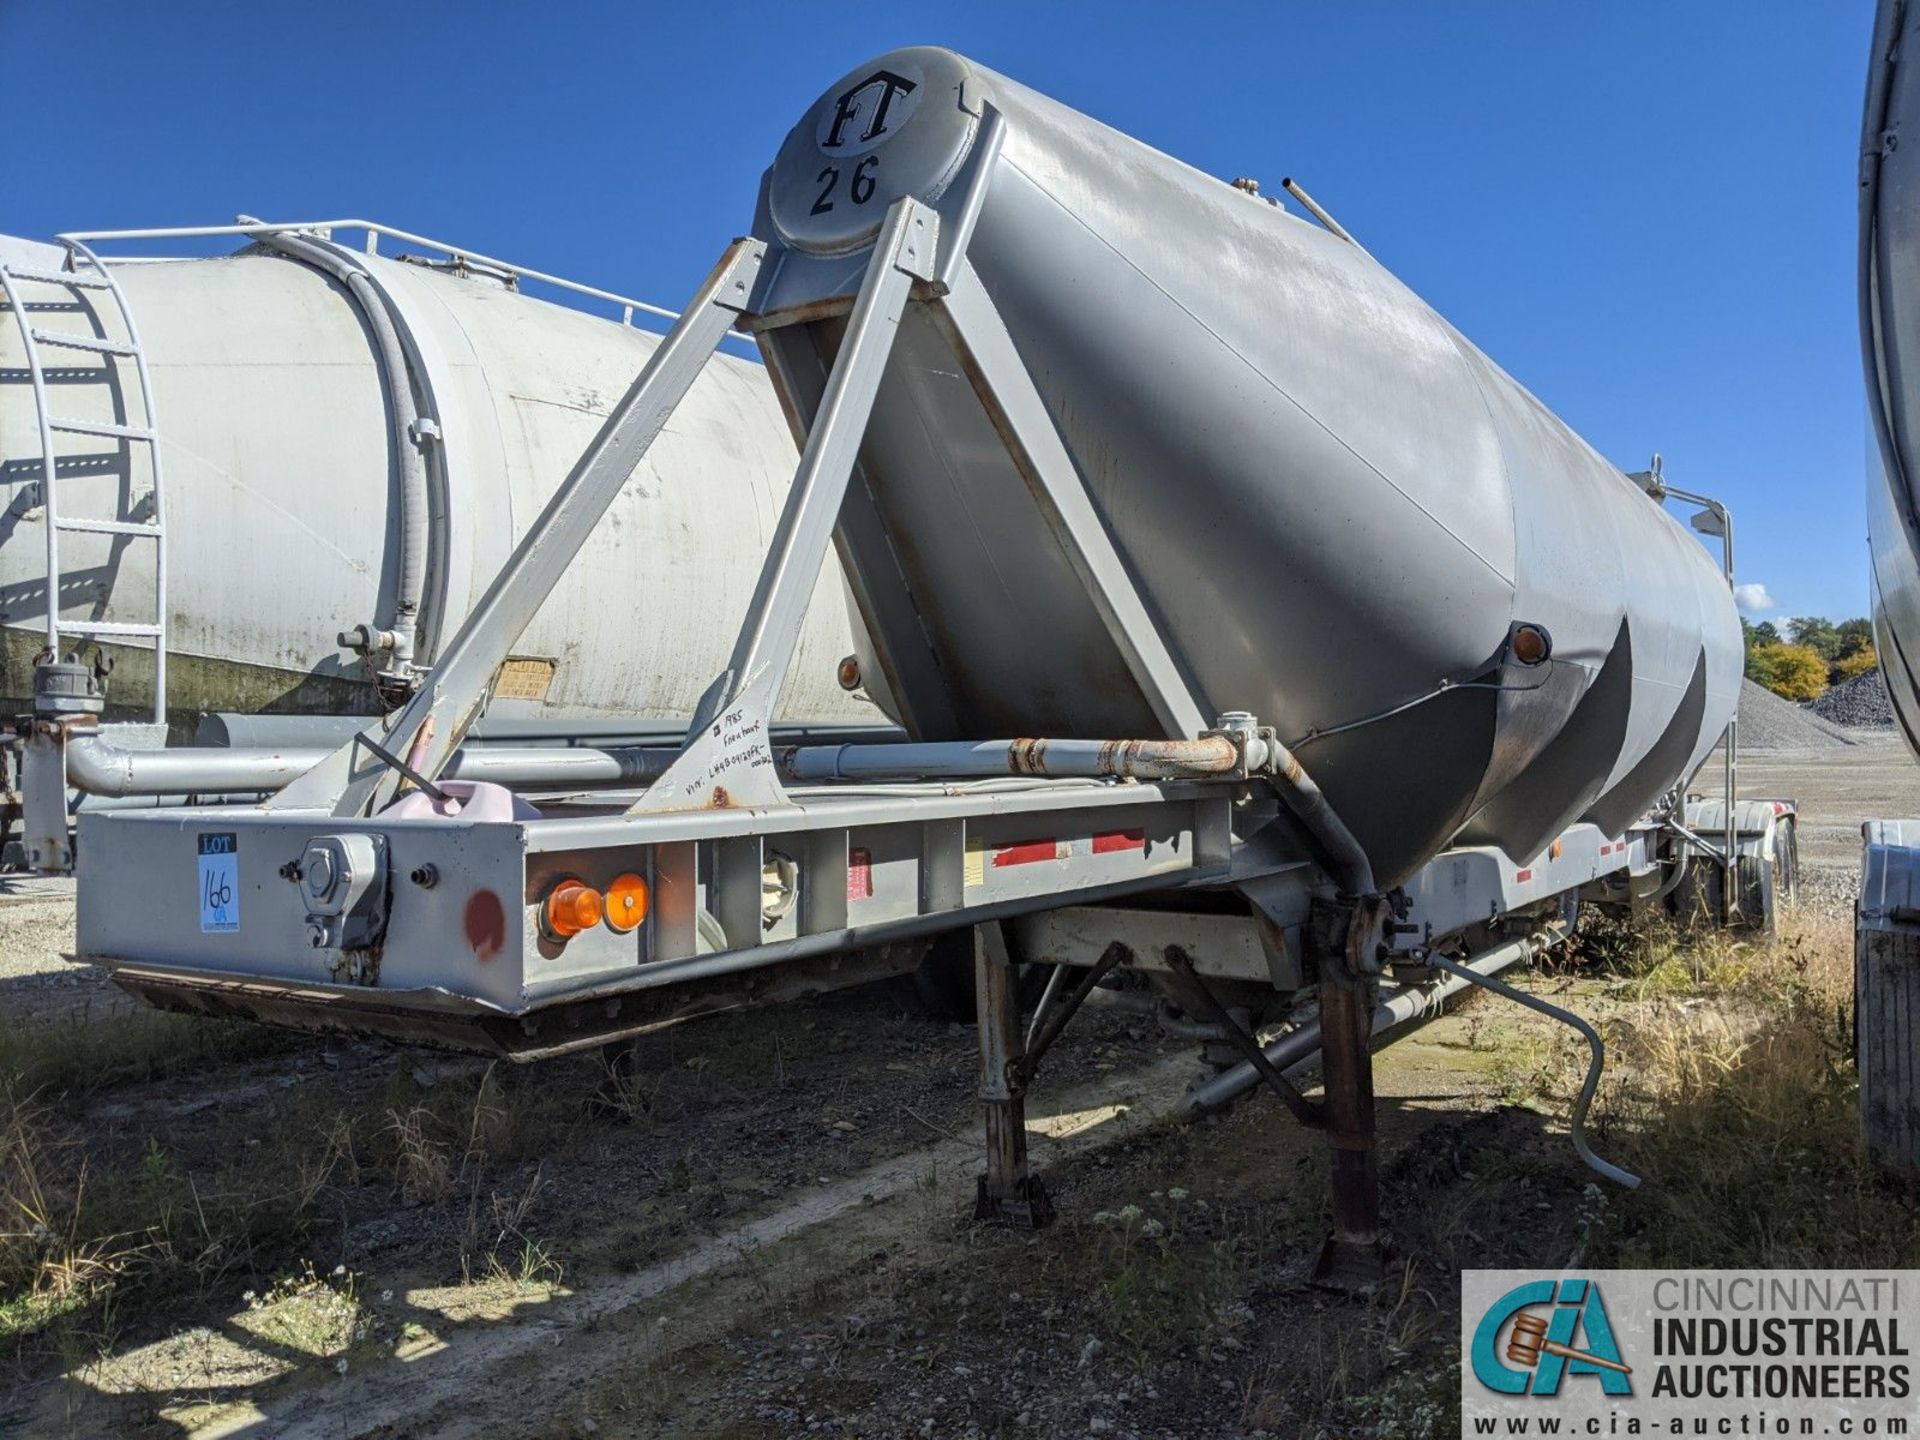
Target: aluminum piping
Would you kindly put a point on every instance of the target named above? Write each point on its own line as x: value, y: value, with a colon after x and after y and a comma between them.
x: 1300, y: 1049
x: 1596, y: 1061
x: 1210, y: 756
x: 414, y: 500
x: 99, y: 767
x: 1352, y: 868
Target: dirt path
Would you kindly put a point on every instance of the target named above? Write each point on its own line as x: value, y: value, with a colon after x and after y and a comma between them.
x: 509, y: 1357
x: 525, y: 1359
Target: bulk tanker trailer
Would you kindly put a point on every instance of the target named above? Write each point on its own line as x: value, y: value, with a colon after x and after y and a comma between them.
x: 1246, y: 628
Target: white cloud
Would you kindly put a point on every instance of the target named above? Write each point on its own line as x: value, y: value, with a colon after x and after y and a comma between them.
x: 1753, y: 598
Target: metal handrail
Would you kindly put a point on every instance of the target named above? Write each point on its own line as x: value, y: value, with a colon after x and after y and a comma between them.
x: 373, y: 231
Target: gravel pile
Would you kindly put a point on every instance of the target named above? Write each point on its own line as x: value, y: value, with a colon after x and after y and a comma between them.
x: 1860, y: 703
x: 1769, y: 723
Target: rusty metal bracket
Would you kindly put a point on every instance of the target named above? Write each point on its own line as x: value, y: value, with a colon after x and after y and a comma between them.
x: 1021, y: 1071
x: 1313, y: 1116
x: 1349, y: 935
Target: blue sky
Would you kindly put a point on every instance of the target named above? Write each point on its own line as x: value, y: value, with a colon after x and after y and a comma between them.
x: 1643, y: 211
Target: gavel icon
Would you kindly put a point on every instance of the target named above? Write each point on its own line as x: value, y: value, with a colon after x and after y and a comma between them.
x: 1529, y: 1342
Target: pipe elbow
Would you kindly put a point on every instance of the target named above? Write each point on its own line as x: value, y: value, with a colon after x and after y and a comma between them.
x: 98, y: 767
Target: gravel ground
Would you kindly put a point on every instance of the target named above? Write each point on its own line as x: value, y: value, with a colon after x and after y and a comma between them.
x: 1861, y: 703
x: 1829, y: 890
x: 38, y: 978
x: 1769, y: 723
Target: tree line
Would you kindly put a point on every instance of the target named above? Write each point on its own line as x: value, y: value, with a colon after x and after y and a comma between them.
x: 1811, y: 654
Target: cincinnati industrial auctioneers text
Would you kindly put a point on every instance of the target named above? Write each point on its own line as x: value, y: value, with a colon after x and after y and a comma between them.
x: 1665, y: 1352
x: 1749, y: 1337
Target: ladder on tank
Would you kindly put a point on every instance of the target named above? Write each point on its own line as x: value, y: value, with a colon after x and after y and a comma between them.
x: 85, y: 272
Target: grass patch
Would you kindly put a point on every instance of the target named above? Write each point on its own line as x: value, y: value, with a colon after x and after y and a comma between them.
x: 102, y: 1237
x: 1733, y: 1093
x: 80, y: 1054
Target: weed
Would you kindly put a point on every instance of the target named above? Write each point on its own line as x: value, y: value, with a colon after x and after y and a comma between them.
x: 422, y: 1161
x: 317, y: 1315
x: 1733, y: 1094
x: 51, y: 1263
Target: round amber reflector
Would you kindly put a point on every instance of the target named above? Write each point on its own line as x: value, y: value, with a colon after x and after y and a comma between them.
x: 626, y: 903
x: 1531, y: 644
x: 571, y: 908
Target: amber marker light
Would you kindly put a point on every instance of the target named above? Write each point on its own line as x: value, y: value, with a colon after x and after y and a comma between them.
x: 571, y: 907
x: 626, y: 903
x: 1531, y: 644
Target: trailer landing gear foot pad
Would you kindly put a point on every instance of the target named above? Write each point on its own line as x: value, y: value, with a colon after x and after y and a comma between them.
x: 1028, y: 1208
x: 1350, y: 1266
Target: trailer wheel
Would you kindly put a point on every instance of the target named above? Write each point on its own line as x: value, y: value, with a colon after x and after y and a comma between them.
x: 1762, y: 884
x: 941, y: 986
x: 1759, y: 890
x: 1786, y: 855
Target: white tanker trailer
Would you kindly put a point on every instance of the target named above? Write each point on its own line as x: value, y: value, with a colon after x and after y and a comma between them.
x: 1250, y: 632
x: 1887, y: 920
x: 267, y: 484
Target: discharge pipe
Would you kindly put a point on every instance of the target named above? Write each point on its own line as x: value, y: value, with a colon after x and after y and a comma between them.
x: 99, y: 767
x: 408, y: 437
x: 1299, y: 1049
x: 1240, y: 746
x: 1206, y: 758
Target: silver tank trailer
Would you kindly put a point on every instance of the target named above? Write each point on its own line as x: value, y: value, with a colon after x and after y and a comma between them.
x: 1340, y: 509
x: 1890, y: 332
x: 284, y: 513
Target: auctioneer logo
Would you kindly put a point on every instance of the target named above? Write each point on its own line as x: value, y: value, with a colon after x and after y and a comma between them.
x: 1537, y: 1334
x: 1626, y: 1353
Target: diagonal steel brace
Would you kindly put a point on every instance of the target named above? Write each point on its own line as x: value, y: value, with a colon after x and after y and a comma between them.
x: 1304, y: 1110
x: 352, y: 781
x: 1007, y: 392
x: 728, y: 758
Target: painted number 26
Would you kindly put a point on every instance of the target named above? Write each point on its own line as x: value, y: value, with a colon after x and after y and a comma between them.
x: 860, y: 185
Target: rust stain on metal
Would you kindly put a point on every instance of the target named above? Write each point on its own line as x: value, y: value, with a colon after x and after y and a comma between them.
x: 804, y: 314
x: 485, y: 922
x: 1027, y: 756
x: 719, y: 799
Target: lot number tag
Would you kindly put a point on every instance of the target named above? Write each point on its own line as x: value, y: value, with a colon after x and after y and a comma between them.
x: 219, y: 884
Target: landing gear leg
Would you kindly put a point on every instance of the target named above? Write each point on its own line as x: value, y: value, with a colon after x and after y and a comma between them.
x: 1354, y: 1256
x: 1009, y: 1193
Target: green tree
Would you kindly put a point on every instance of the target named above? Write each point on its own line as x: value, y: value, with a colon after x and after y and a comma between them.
x: 1857, y: 663
x: 1765, y: 633
x: 1855, y: 636
x: 1817, y: 634
x: 1798, y: 672
x: 1760, y: 664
